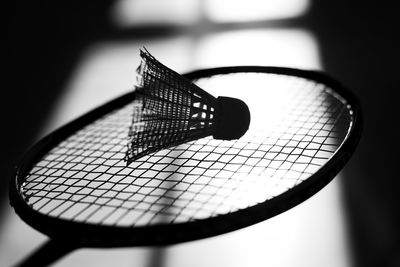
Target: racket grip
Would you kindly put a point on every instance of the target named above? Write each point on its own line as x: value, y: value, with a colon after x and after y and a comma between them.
x: 48, y: 253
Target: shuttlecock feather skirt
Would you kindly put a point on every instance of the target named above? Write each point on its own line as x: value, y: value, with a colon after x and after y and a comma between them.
x: 170, y: 110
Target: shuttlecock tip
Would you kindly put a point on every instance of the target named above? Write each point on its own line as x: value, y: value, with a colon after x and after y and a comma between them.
x: 233, y: 118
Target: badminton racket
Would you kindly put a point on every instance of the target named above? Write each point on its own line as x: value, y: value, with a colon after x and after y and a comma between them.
x: 75, y: 187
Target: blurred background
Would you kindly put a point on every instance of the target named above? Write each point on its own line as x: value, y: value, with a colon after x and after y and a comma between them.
x: 65, y: 57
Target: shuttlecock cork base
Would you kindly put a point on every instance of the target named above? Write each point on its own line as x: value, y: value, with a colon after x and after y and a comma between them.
x: 170, y: 110
x: 232, y: 119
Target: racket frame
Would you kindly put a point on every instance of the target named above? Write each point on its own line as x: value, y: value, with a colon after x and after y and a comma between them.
x: 93, y: 235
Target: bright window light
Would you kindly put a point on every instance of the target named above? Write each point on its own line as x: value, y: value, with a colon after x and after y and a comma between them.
x: 140, y: 12
x: 253, y: 10
x: 273, y: 47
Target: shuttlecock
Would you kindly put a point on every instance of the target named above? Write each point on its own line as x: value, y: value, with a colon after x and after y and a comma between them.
x: 170, y: 110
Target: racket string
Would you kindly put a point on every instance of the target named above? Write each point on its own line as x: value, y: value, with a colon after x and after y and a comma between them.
x: 85, y: 177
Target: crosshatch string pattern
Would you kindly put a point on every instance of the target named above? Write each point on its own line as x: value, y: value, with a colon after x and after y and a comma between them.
x: 297, y: 125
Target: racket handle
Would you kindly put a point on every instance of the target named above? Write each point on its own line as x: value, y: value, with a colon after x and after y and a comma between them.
x: 48, y: 253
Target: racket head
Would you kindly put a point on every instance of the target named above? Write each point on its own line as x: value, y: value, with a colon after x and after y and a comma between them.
x: 176, y: 225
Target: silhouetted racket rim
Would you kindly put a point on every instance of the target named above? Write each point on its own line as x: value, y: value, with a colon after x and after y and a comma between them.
x: 101, y: 235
